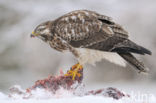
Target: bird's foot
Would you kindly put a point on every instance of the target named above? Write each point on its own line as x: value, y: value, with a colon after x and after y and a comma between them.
x: 74, y: 72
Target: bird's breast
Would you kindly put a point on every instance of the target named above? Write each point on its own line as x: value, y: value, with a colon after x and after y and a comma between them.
x: 91, y: 56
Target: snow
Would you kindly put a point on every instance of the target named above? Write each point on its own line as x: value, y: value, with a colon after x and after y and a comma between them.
x: 64, y: 96
x: 43, y: 99
x: 85, y: 99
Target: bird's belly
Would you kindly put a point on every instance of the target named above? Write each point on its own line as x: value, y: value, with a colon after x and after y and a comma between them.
x: 91, y: 56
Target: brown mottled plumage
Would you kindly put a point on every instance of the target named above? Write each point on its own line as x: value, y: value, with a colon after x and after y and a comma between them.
x: 90, y: 36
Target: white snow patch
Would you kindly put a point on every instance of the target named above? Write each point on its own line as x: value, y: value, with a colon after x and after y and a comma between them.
x: 84, y: 99
x: 64, y: 96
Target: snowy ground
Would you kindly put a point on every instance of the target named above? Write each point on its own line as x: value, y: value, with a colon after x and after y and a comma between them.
x: 86, y: 99
x: 64, y: 96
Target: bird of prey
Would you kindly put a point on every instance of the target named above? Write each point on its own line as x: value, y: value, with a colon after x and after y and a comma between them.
x: 90, y: 37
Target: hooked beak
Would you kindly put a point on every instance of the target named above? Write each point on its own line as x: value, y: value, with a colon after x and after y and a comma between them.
x: 33, y: 34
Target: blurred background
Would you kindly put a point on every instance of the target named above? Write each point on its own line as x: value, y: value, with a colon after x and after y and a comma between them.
x: 23, y: 60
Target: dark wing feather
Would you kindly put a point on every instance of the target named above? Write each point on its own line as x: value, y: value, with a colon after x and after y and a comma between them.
x: 108, y: 44
x: 128, y: 46
x: 119, y: 45
x: 134, y: 62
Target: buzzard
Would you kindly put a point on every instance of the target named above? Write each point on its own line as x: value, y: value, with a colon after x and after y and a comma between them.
x: 90, y: 37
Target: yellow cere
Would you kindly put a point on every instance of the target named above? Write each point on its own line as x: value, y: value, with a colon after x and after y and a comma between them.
x: 35, y: 34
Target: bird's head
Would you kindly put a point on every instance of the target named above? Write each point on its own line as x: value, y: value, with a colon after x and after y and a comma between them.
x: 42, y: 31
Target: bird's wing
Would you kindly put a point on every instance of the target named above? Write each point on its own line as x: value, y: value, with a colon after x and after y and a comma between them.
x: 85, y: 29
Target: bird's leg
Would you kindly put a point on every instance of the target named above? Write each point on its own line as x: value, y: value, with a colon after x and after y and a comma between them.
x: 74, y: 71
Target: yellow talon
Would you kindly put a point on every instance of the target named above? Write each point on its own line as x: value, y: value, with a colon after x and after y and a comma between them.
x: 74, y: 71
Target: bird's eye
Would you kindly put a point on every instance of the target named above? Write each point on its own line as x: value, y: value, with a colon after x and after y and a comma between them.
x: 40, y: 29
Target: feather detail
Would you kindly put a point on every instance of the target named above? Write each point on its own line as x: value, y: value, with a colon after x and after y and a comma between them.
x: 92, y: 56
